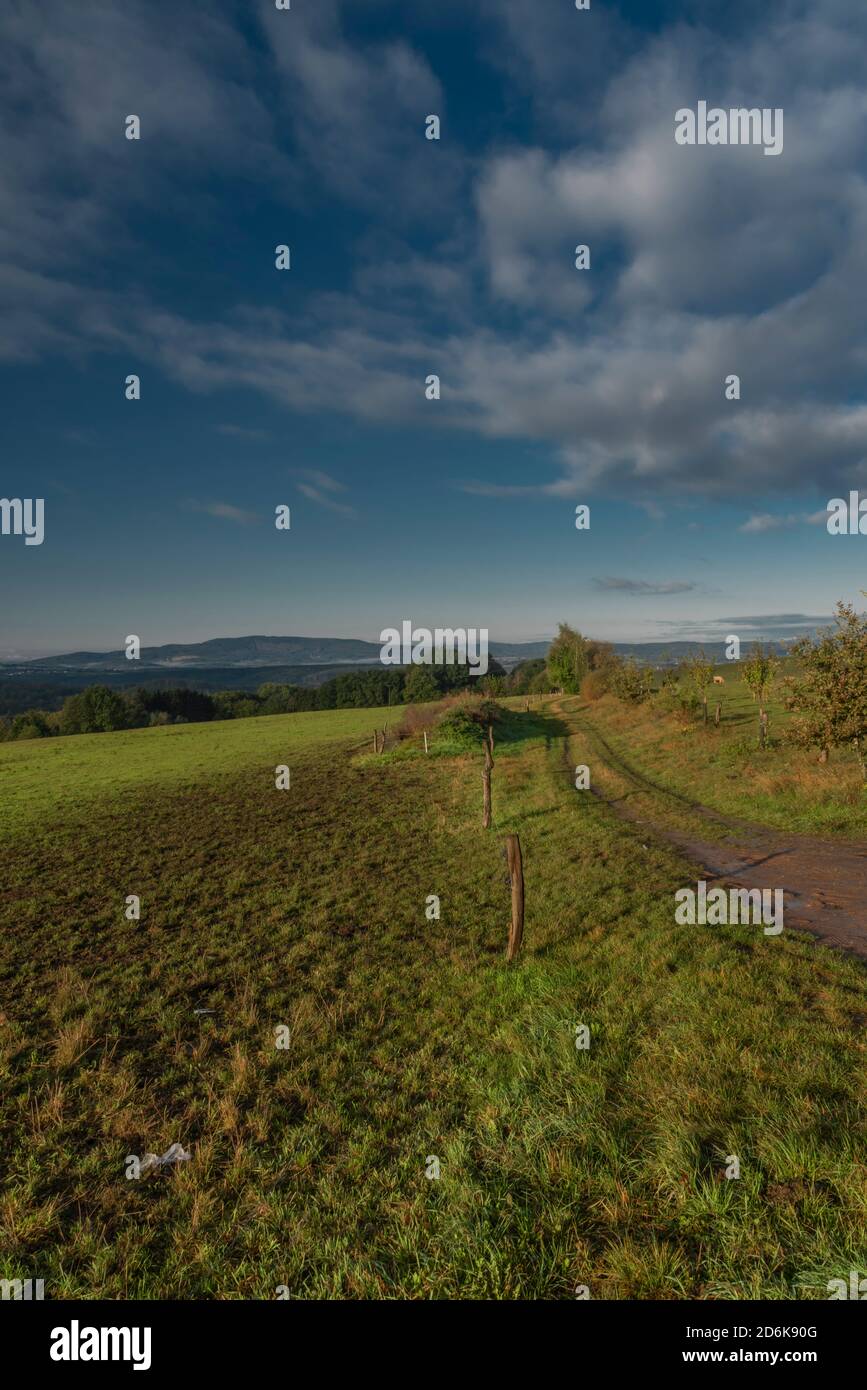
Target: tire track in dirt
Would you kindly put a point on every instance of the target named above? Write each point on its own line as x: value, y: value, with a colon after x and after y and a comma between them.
x: 824, y: 881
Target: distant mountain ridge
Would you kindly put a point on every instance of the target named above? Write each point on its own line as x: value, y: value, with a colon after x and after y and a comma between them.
x: 670, y: 653
x: 252, y: 652
x: 228, y: 651
x: 255, y: 651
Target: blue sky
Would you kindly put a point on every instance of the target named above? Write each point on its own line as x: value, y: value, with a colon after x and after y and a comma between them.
x: 410, y: 257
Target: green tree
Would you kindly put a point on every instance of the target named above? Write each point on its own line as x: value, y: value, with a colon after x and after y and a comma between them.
x: 759, y: 670
x: 700, y: 672
x: 419, y: 686
x: 32, y: 723
x: 629, y: 681
x: 601, y: 656
x: 494, y: 685
x: 237, y: 704
x: 521, y: 679
x: 278, y: 699
x: 830, y: 696
x: 540, y: 683
x: 95, y: 710
x: 567, y: 660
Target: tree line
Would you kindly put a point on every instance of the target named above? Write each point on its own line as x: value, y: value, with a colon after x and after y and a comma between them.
x: 101, y: 709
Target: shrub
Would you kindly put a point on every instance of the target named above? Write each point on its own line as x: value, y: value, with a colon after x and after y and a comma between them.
x: 466, y: 722
x: 594, y: 685
x: 459, y: 727
x: 486, y: 712
x: 737, y: 752
x: 673, y: 700
x: 631, y: 682
x: 417, y: 718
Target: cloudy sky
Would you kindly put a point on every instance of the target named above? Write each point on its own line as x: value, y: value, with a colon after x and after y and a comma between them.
x: 411, y: 257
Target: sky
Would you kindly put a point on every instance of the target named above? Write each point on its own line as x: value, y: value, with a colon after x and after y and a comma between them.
x: 410, y: 257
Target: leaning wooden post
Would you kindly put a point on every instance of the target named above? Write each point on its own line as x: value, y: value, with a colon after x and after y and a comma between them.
x: 424, y: 731
x: 516, y: 874
x: 486, y: 788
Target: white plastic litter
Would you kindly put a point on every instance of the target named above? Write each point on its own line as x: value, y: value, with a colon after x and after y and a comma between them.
x: 175, y: 1154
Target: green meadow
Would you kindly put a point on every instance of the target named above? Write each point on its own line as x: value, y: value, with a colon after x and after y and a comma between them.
x: 66, y: 776
x: 409, y: 1038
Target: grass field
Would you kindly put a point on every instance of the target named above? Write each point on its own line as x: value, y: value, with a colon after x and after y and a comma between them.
x: 409, y: 1038
x: 43, y: 779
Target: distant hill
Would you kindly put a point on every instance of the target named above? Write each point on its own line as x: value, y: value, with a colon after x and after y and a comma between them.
x: 670, y: 653
x: 245, y: 663
x: 225, y: 651
x: 249, y: 652
x: 255, y: 653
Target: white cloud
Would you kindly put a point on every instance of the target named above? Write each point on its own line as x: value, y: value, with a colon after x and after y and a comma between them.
x: 315, y: 495
x: 225, y: 511
x: 770, y: 521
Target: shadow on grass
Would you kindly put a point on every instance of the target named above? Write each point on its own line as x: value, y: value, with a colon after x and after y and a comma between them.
x: 515, y: 730
x: 519, y: 727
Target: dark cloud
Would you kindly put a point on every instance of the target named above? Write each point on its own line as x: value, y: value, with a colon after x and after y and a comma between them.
x: 644, y: 586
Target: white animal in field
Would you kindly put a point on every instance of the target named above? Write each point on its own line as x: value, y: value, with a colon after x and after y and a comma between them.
x: 719, y: 680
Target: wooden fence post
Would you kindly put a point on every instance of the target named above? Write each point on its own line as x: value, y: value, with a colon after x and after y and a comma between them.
x: 763, y: 729
x: 516, y: 874
x: 716, y: 716
x: 424, y: 731
x: 486, y: 788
